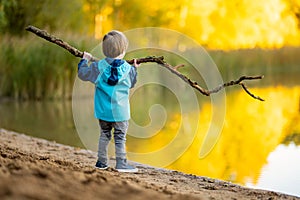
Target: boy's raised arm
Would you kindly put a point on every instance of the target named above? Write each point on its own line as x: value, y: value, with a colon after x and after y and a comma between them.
x: 86, y: 72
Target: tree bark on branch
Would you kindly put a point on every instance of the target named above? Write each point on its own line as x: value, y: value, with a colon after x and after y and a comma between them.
x: 159, y: 60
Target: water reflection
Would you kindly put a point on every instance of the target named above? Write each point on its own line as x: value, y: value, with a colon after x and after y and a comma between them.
x: 51, y: 120
x: 251, y: 132
x: 280, y: 174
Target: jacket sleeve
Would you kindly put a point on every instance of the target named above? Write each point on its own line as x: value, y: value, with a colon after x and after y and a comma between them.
x: 86, y: 72
x: 133, y: 75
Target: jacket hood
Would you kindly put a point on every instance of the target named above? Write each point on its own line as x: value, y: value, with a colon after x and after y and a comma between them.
x: 114, y: 71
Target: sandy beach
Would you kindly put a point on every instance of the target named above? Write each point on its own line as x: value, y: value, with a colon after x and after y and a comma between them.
x: 32, y: 168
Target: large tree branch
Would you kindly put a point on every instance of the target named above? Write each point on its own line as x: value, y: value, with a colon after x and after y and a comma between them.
x: 159, y: 60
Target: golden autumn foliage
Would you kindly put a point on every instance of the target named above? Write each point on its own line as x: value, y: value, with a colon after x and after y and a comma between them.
x: 216, y: 24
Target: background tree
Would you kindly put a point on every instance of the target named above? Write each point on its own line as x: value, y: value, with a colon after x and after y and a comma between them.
x: 15, y: 15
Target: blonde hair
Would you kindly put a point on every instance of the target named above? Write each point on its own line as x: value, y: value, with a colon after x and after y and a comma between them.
x: 114, y: 44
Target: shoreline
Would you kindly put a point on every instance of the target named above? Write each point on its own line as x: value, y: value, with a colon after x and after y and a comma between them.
x: 33, y: 168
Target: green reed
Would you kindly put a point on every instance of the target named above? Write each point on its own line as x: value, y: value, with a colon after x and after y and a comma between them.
x: 278, y: 65
x: 31, y: 68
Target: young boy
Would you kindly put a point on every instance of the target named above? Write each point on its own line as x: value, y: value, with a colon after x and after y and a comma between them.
x: 113, y: 78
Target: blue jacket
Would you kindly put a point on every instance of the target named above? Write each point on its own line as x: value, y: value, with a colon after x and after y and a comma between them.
x: 112, y: 78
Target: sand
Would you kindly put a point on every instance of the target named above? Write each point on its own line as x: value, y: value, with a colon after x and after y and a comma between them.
x: 32, y: 168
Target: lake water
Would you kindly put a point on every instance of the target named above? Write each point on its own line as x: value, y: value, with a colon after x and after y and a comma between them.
x: 258, y: 144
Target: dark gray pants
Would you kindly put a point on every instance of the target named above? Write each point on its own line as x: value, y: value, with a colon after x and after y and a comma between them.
x: 120, y: 130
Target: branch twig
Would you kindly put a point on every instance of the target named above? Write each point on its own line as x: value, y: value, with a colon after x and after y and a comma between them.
x: 159, y: 60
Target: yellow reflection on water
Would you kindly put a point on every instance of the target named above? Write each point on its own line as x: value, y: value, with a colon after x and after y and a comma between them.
x: 252, y: 130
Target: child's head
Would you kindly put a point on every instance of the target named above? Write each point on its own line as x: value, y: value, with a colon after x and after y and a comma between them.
x: 114, y: 44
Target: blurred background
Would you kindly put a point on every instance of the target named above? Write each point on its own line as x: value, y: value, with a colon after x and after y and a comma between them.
x: 259, y: 144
